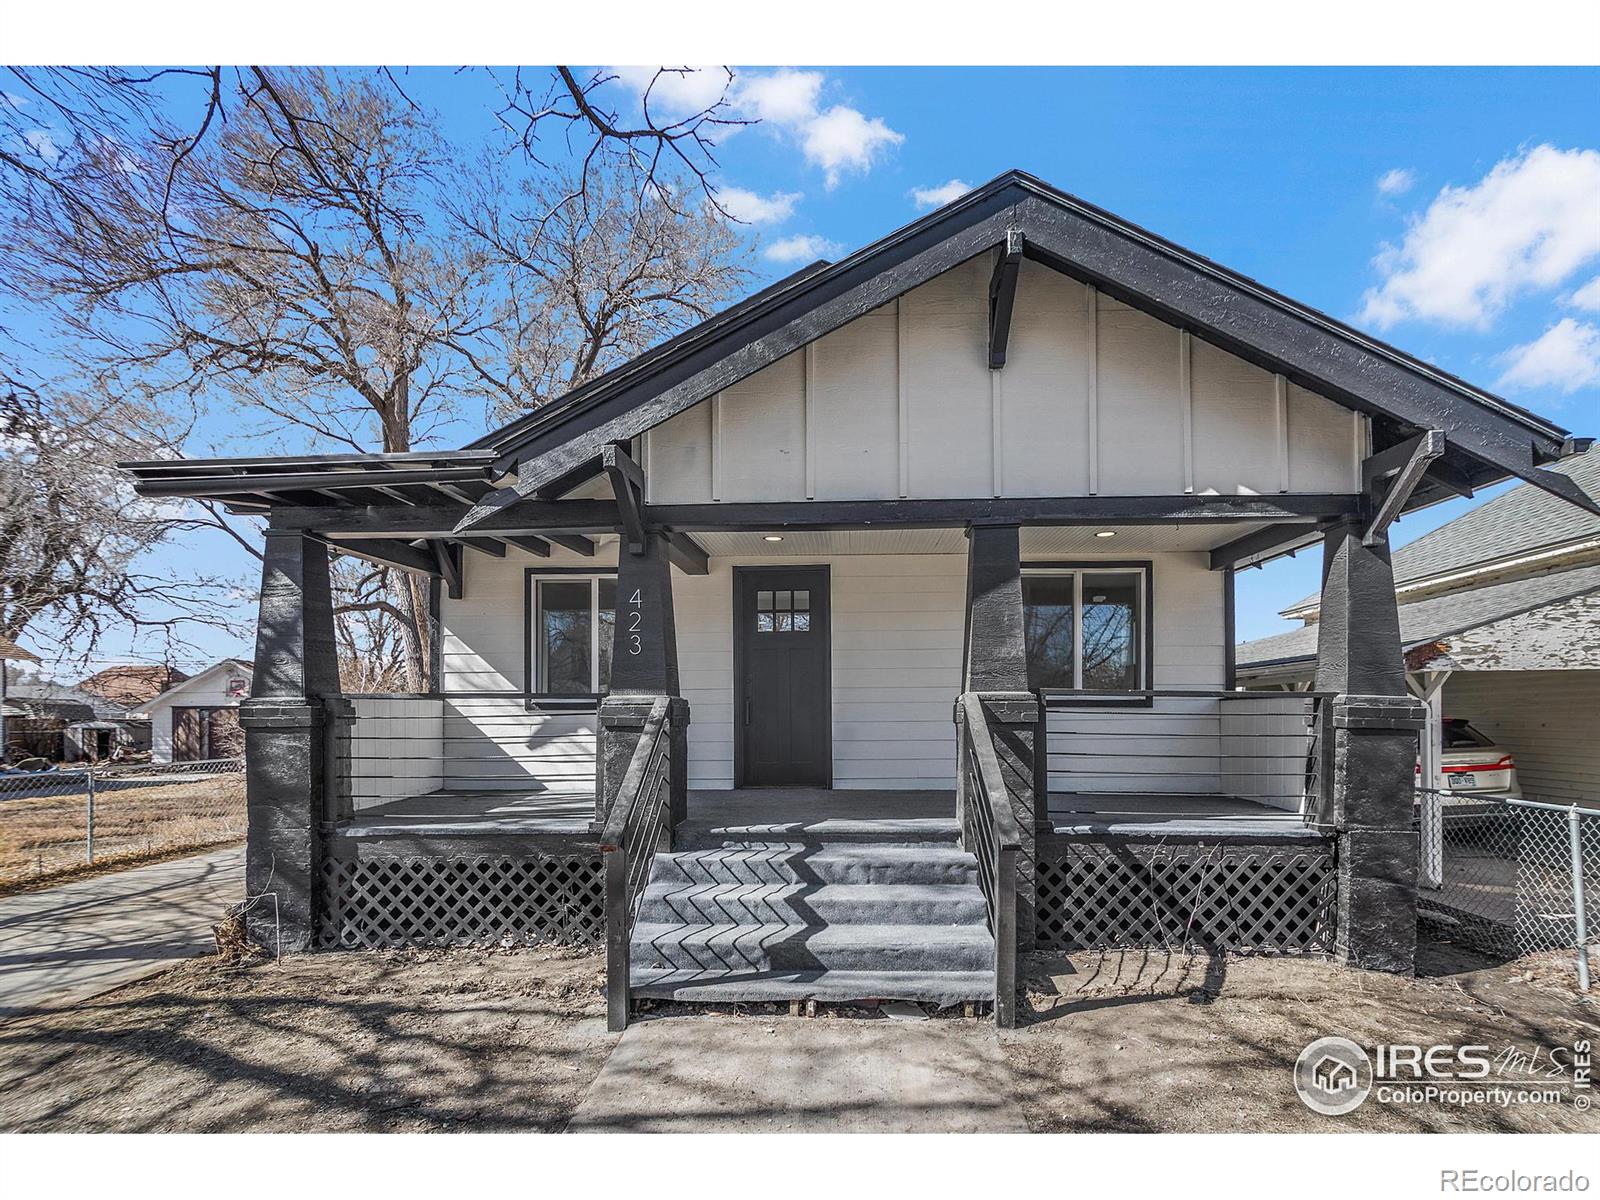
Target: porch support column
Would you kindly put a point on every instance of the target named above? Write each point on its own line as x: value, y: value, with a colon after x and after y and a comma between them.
x: 995, y: 665
x: 644, y: 665
x: 1374, y: 724
x: 293, y: 696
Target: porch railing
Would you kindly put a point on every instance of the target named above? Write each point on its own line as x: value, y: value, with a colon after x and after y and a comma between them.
x: 391, y: 746
x: 640, y: 824
x: 991, y: 829
x: 1269, y: 747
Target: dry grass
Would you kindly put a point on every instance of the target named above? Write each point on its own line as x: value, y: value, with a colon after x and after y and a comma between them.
x: 42, y: 838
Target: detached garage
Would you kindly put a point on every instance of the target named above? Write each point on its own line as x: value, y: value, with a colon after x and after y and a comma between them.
x: 198, y: 719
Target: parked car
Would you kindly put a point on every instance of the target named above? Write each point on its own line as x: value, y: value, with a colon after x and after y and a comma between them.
x: 1473, y: 765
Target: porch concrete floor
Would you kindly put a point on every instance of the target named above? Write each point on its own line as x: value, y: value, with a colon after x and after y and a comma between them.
x: 822, y: 813
x: 470, y: 813
x: 1078, y: 814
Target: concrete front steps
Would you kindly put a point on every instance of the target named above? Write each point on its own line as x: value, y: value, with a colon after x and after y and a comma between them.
x: 738, y: 917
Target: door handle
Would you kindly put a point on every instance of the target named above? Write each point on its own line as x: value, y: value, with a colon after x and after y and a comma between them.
x: 747, y: 712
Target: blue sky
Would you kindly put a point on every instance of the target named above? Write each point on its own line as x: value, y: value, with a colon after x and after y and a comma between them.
x: 1479, y: 241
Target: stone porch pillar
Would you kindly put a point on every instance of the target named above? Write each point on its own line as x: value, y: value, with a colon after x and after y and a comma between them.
x: 1374, y: 726
x: 296, y: 682
x: 995, y: 665
x: 644, y: 665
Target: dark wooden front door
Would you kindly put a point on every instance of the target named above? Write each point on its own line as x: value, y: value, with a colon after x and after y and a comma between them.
x: 783, y: 710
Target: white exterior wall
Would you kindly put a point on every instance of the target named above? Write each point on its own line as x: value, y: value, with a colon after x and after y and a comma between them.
x: 896, y: 648
x: 209, y: 689
x: 1548, y: 720
x: 896, y: 663
x: 1107, y: 750
x: 1095, y: 398
x: 494, y: 744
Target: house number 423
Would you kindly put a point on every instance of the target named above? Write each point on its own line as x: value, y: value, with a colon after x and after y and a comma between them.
x: 635, y: 621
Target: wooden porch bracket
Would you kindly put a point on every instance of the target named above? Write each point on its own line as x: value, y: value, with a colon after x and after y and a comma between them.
x: 627, y: 481
x: 1404, y: 465
x: 448, y: 557
x: 1003, y: 297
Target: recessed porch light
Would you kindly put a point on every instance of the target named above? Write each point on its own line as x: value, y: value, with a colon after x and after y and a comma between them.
x: 772, y: 537
x: 1106, y: 533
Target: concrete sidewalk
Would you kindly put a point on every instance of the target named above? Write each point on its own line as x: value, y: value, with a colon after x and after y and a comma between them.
x: 64, y: 944
x: 725, y: 1074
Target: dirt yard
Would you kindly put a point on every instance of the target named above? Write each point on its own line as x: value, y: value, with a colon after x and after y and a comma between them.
x: 1145, y: 1042
x: 325, y: 1042
x: 468, y: 1040
x: 42, y: 835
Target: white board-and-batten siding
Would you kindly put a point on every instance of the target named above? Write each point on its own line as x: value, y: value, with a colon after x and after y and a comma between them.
x: 1096, y: 398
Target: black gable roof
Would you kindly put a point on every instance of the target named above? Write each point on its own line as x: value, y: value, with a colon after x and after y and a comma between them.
x: 1488, y: 438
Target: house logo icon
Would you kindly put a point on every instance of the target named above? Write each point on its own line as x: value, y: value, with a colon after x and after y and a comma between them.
x: 1333, y: 1076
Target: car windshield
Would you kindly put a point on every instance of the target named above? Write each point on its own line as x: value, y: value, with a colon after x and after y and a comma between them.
x: 1458, y: 735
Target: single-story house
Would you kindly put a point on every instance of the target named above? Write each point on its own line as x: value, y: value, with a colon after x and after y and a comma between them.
x: 877, y: 629
x: 1500, y: 624
x: 58, y: 721
x: 197, y: 719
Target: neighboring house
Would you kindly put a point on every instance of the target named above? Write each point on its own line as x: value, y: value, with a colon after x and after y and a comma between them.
x: 705, y: 622
x: 1500, y: 622
x: 58, y: 721
x: 197, y: 719
x: 131, y: 688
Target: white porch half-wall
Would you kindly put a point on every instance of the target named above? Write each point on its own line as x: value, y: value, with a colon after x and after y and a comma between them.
x: 898, y: 600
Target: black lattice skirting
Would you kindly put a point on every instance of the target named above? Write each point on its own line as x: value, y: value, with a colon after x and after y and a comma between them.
x: 385, y: 903
x: 1240, y: 899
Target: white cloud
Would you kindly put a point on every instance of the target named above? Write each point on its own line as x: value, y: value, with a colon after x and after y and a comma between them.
x: 676, y: 91
x: 744, y: 205
x: 41, y: 143
x: 785, y: 97
x: 1397, y: 181
x: 843, y: 139
x: 787, y: 102
x: 1566, y: 356
x: 936, y: 197
x: 802, y: 247
x: 1527, y: 225
x: 1587, y: 297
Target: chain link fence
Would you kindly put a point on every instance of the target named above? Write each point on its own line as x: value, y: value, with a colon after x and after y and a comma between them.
x: 57, y: 822
x: 1509, y: 876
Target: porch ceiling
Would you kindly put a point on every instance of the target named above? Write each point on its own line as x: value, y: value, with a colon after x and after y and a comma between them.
x: 1037, y: 541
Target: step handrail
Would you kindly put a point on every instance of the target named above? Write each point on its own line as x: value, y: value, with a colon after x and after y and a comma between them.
x: 996, y: 837
x: 635, y: 829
